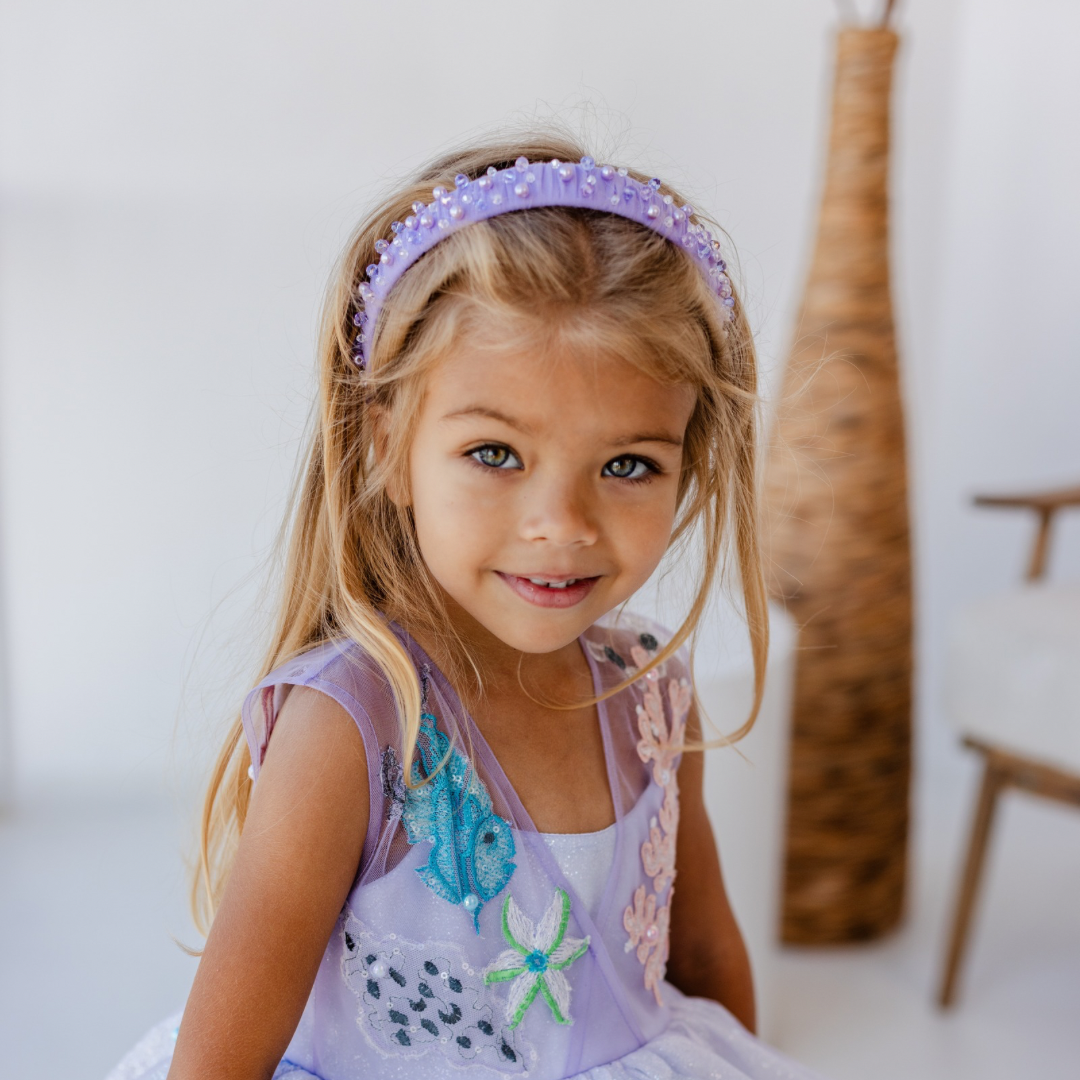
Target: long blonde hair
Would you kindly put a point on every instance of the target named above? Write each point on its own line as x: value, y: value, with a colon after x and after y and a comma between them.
x: 590, y: 278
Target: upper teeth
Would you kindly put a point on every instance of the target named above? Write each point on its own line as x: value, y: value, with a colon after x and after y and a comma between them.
x: 553, y: 584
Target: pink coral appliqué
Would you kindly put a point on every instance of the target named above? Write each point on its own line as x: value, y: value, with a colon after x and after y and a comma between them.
x: 647, y: 920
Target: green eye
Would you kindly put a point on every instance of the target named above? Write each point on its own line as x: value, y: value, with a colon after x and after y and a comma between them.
x: 628, y: 468
x: 495, y: 457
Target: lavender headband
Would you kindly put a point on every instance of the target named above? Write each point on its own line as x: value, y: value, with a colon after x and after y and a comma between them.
x: 526, y: 185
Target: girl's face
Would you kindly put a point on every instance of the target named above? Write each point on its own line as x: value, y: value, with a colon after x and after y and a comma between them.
x: 543, y: 488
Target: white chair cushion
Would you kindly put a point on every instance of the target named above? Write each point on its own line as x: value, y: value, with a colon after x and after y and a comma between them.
x: 1013, y: 672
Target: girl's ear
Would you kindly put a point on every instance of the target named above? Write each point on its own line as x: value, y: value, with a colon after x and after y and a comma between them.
x: 380, y: 441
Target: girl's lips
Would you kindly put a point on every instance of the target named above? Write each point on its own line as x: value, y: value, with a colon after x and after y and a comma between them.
x: 542, y: 596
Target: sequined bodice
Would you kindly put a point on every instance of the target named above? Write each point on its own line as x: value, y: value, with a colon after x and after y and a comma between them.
x: 470, y: 939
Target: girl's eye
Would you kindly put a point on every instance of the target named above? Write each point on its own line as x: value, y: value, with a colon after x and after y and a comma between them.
x: 495, y: 457
x: 629, y: 468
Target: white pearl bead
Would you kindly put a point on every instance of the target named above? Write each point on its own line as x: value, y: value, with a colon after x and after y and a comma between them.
x: 378, y: 970
x: 471, y: 902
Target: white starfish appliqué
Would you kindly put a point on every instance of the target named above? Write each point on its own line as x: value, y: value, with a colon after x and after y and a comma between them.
x: 536, y: 959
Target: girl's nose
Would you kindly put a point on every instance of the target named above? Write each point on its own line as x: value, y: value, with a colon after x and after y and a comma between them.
x: 560, y: 511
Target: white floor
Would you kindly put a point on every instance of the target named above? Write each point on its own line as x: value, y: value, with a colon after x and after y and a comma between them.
x: 91, y: 892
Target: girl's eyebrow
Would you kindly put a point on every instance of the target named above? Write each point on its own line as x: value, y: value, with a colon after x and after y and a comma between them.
x: 525, y: 429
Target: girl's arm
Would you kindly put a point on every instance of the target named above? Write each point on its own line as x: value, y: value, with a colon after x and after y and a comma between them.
x: 708, y: 957
x: 296, y: 861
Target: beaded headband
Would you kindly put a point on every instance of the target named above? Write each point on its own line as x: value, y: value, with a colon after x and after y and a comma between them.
x: 526, y: 185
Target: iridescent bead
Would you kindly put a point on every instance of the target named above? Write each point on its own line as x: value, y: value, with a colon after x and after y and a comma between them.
x: 509, y: 176
x: 461, y: 179
x: 466, y: 199
x: 521, y: 190
x: 386, y: 259
x: 412, y: 236
x: 587, y: 162
x: 668, y: 222
x: 607, y: 172
x: 418, y: 208
x: 628, y: 193
x: 357, y: 320
x: 585, y: 190
x: 366, y: 292
x: 688, y: 210
x: 410, y: 222
x: 687, y: 242
x: 484, y: 182
x: 521, y: 164
x: 654, y: 183
x: 496, y: 199
x: 490, y: 171
x: 377, y: 970
x: 372, y: 270
x: 653, y: 211
x: 591, y: 180
x: 457, y: 211
x: 438, y: 192
x: 398, y: 243
x: 471, y: 902
x: 669, y: 200
x: 555, y: 162
x: 381, y: 246
x: 614, y: 200
x: 566, y: 173
x: 444, y: 224
x: 623, y: 172
x: 445, y: 200
x: 426, y: 220
x: 729, y: 301
x: 396, y: 227
x: 530, y: 177
x: 679, y: 215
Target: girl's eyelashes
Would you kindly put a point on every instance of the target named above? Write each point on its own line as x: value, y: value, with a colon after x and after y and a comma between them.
x: 495, y: 456
x: 637, y: 470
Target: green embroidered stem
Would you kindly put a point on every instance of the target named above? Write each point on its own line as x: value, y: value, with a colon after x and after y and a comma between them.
x: 559, y: 1018
x: 503, y: 976
x: 580, y: 951
x: 529, y: 998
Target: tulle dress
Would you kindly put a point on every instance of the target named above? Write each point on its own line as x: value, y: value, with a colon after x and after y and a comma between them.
x: 470, y: 939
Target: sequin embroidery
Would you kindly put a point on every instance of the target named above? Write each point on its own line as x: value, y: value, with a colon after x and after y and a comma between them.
x: 415, y: 998
x: 473, y: 848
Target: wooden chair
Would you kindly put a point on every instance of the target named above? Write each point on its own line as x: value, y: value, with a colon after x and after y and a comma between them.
x: 1013, y: 686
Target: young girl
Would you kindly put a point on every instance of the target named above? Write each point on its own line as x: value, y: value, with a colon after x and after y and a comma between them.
x: 447, y: 829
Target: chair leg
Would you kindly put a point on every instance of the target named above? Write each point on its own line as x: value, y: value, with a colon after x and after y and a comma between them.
x: 992, y: 783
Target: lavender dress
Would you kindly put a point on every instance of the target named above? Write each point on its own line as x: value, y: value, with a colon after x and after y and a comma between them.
x: 470, y: 940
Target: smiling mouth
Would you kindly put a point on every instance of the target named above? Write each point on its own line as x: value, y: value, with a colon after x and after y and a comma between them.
x: 561, y: 583
x: 547, y: 591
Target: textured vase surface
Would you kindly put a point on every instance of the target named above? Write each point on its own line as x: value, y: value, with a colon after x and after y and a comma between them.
x: 837, y: 543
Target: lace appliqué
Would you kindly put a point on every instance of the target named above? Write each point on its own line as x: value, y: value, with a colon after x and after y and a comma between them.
x: 536, y: 959
x: 472, y: 847
x: 393, y: 784
x: 415, y: 999
x: 607, y: 654
x: 647, y: 920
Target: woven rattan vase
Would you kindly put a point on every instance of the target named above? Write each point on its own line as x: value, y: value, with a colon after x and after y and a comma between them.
x: 836, y: 526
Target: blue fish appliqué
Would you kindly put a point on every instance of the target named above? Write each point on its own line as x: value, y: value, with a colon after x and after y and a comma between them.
x: 473, y: 848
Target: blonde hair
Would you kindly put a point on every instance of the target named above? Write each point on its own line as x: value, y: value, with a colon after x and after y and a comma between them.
x: 585, y: 278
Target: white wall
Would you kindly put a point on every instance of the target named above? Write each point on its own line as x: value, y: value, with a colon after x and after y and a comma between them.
x: 176, y: 180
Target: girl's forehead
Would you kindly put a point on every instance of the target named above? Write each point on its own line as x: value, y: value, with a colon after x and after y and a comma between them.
x: 554, y: 388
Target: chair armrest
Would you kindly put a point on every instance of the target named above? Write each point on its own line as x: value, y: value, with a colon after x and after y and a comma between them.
x: 1046, y: 504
